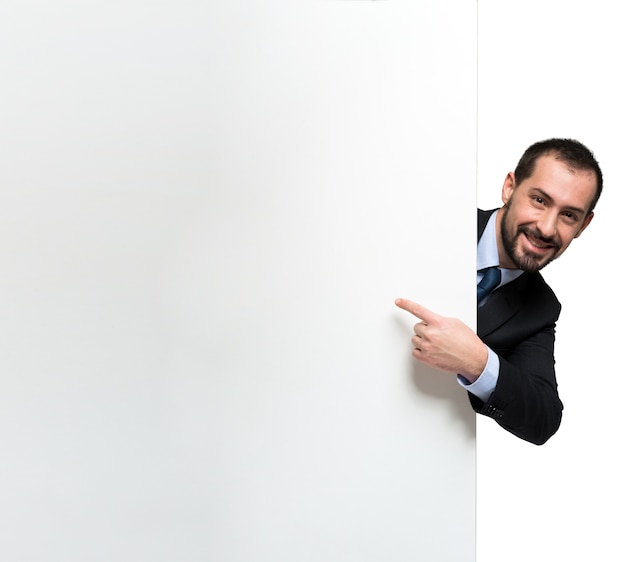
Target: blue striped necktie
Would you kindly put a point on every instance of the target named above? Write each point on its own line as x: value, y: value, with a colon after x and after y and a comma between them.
x: 490, y: 280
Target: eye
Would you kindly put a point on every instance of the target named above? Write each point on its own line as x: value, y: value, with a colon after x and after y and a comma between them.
x: 572, y: 217
x: 538, y: 199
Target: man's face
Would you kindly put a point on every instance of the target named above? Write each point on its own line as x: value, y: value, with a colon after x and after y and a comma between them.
x: 543, y: 213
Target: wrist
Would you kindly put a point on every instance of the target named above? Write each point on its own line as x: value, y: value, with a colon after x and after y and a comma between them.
x: 478, y: 363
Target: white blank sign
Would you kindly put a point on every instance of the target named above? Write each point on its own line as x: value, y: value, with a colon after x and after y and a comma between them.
x: 207, y: 213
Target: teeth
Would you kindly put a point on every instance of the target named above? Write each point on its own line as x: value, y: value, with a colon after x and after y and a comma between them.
x: 537, y: 243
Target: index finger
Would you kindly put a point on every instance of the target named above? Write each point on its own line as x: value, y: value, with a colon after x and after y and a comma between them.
x: 417, y: 310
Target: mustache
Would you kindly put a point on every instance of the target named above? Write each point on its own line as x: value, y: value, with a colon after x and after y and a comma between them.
x: 552, y: 241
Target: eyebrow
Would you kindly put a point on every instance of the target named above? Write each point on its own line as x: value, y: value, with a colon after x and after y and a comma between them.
x: 543, y: 194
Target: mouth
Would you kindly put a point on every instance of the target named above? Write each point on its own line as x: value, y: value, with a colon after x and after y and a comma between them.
x: 537, y: 244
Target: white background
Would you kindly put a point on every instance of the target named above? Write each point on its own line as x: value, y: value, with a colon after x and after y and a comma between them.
x: 553, y: 69
x: 122, y: 123
x: 206, y: 212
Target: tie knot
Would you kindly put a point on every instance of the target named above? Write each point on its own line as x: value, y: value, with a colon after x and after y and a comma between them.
x: 491, y: 279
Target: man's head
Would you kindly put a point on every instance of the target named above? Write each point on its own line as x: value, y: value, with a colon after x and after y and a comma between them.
x: 548, y: 201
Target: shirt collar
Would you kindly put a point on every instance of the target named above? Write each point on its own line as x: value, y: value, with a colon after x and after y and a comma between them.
x: 487, y: 252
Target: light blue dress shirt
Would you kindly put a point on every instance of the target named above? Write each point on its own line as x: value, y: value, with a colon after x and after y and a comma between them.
x: 487, y: 256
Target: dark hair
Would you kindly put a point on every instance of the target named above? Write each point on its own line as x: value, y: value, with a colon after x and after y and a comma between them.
x: 573, y: 153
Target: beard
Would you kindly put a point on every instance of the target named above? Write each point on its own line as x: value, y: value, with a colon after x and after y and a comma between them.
x: 524, y: 260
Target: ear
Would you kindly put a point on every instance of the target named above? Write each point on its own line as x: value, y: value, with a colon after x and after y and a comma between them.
x: 508, y: 187
x: 584, y: 225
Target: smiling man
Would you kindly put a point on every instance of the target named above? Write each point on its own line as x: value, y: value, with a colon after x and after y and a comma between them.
x: 507, y: 367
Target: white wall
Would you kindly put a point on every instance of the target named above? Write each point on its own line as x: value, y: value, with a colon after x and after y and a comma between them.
x: 554, y: 69
x: 206, y: 212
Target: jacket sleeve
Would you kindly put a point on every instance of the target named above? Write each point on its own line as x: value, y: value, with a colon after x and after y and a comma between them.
x: 525, y: 400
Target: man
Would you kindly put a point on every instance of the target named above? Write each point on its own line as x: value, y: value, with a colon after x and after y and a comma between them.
x: 508, y: 366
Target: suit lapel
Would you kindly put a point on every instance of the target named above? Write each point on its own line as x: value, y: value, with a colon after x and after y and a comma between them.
x: 483, y: 219
x: 500, y: 306
x: 503, y: 304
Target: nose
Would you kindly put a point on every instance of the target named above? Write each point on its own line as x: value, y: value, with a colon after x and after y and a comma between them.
x: 547, y: 225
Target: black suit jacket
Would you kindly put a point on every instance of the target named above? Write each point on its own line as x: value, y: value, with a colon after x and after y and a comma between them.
x: 518, y: 323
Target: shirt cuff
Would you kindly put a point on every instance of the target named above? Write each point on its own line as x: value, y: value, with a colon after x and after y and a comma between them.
x: 485, y: 384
